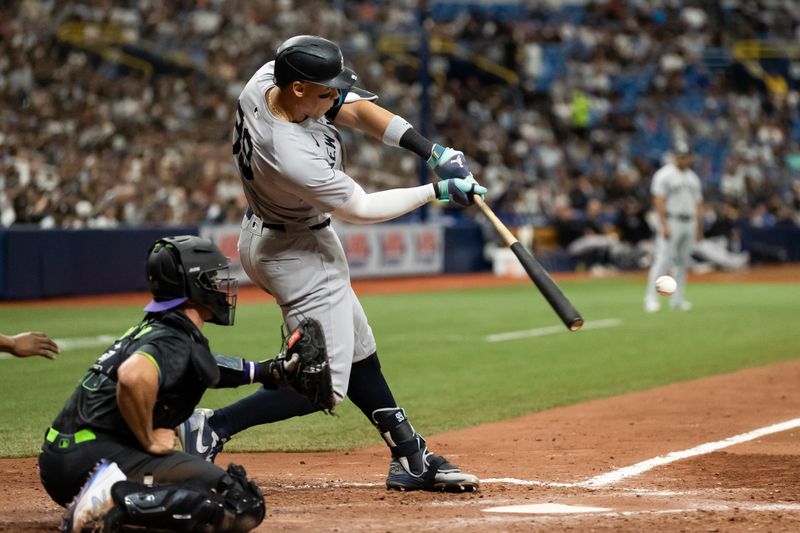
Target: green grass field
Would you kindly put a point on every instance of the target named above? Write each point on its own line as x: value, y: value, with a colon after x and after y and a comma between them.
x: 435, y: 355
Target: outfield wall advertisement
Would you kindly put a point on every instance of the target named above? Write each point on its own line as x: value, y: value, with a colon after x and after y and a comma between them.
x: 374, y: 250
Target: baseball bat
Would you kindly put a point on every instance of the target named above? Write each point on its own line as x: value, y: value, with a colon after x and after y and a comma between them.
x: 560, y: 304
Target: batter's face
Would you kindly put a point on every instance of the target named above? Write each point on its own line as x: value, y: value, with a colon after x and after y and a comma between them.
x: 316, y: 99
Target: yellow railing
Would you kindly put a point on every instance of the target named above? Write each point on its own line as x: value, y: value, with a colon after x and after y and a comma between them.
x: 753, y: 50
x: 398, y: 46
x: 103, y: 40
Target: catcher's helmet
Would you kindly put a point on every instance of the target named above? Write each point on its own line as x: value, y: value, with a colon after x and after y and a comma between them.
x: 190, y: 268
x: 314, y: 59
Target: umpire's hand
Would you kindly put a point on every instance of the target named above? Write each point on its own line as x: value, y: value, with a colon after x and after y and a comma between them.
x: 33, y: 343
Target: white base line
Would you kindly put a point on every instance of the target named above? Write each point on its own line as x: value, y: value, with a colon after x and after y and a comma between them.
x: 549, y: 330
x: 610, y: 478
x: 74, y: 343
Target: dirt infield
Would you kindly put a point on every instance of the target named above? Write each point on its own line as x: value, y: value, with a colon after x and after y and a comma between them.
x: 539, y: 459
x: 601, y: 454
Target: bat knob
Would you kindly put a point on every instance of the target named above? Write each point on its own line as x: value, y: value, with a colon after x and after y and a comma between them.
x: 576, y: 324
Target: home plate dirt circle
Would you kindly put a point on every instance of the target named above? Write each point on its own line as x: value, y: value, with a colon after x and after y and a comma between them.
x: 546, y: 508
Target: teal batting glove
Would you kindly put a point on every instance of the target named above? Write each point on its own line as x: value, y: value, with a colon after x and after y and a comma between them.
x: 448, y: 163
x: 459, y: 191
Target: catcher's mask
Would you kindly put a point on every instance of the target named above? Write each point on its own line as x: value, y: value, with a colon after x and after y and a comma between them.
x: 190, y: 268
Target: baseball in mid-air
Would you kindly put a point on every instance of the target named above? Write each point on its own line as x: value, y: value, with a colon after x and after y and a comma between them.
x: 666, y: 285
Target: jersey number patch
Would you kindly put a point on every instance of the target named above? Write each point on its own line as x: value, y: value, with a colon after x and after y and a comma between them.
x: 243, y: 145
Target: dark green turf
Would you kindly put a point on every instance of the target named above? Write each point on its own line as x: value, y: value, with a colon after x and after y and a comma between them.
x: 435, y: 356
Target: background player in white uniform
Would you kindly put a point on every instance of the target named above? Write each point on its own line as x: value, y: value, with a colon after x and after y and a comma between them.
x: 291, y: 161
x: 678, y: 203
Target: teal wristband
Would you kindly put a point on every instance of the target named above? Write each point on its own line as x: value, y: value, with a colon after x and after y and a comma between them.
x: 436, y: 153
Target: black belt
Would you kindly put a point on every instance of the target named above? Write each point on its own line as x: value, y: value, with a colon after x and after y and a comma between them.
x: 282, y: 227
x: 682, y: 218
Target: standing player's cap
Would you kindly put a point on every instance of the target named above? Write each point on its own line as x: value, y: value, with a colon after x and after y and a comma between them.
x: 313, y: 59
x: 682, y: 148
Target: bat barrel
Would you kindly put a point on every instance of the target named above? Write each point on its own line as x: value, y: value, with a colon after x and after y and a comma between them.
x: 560, y: 304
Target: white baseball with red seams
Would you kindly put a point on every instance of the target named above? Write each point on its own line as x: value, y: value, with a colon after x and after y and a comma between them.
x: 666, y: 285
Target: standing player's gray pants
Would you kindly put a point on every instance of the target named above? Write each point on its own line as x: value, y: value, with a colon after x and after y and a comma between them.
x: 676, y: 253
x: 306, y: 271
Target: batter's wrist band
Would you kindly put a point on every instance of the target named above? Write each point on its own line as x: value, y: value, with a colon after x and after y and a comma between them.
x: 436, y: 153
x: 436, y: 190
x: 412, y: 140
x: 395, y: 129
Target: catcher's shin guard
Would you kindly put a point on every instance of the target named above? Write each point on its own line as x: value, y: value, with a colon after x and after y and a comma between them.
x: 413, y: 467
x: 237, y: 505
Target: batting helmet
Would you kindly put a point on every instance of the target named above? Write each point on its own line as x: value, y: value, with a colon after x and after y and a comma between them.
x: 314, y: 59
x: 190, y: 268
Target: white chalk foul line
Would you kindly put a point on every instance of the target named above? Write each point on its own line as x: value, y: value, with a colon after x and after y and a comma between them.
x: 634, y: 470
x: 614, y: 476
x: 74, y: 343
x: 550, y: 330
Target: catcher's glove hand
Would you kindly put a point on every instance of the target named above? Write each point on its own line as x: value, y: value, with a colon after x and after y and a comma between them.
x: 303, y: 364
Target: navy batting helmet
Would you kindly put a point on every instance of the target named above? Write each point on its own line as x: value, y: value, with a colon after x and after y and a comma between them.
x: 186, y: 268
x: 313, y: 59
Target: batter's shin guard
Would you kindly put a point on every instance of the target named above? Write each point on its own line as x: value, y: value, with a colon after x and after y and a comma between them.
x: 413, y: 467
x: 407, y: 445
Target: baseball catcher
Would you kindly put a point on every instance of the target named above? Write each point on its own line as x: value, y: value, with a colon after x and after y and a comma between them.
x: 110, y: 451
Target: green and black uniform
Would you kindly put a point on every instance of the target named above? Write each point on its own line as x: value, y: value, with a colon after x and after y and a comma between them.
x: 90, y: 427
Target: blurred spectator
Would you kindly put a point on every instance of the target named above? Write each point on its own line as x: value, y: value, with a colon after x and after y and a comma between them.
x: 721, y: 246
x: 119, y: 113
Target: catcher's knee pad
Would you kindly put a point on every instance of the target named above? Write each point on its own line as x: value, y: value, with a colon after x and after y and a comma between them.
x: 168, y: 507
x: 407, y: 446
x: 244, y: 502
x: 236, y: 505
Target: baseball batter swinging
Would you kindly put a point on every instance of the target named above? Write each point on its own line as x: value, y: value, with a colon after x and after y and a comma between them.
x: 290, y: 157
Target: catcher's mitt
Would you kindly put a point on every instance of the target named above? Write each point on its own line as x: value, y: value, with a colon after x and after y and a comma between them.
x: 304, y: 364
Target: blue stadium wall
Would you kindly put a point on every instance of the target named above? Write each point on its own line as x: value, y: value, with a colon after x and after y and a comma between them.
x: 38, y: 264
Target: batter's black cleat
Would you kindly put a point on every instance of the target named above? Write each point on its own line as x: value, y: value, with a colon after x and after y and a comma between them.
x: 438, y: 475
x: 198, y: 438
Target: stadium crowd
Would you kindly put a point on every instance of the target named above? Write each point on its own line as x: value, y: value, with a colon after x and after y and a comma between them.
x: 119, y: 113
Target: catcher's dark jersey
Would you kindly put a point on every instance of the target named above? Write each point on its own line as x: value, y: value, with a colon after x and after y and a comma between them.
x: 185, y: 366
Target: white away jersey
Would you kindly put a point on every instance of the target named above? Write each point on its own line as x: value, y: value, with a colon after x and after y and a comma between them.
x: 681, y: 189
x: 291, y: 172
